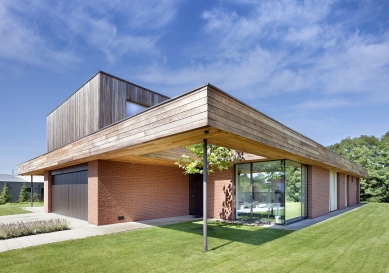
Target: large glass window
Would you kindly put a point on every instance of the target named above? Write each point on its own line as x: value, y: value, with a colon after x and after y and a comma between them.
x: 271, y: 191
x: 243, y: 191
x: 260, y: 190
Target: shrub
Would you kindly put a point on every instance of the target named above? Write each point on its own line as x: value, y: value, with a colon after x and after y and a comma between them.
x: 35, y: 197
x: 18, y: 229
x: 24, y: 196
x: 5, y: 196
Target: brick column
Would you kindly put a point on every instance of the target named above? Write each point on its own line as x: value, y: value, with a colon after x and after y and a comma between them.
x: 93, y: 192
x: 318, y: 191
x: 358, y: 190
x: 47, y: 191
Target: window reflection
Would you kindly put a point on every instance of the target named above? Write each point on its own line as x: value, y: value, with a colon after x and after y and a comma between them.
x: 260, y: 191
x: 271, y: 191
x: 133, y: 108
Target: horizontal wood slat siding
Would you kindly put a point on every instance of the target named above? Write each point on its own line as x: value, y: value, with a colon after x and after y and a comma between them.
x: 275, y: 140
x: 76, y: 117
x: 171, y: 118
x: 99, y: 103
x: 182, y: 121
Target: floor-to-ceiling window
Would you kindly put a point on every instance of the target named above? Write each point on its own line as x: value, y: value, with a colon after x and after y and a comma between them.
x: 271, y: 191
x: 260, y: 191
x: 295, y: 191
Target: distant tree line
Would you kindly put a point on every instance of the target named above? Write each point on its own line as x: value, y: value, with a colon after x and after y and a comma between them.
x: 371, y: 153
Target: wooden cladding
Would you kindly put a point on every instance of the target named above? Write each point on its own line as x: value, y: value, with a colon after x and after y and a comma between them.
x: 172, y: 123
x: 76, y: 117
x: 97, y: 104
x: 181, y: 121
x: 115, y: 92
x: 274, y: 139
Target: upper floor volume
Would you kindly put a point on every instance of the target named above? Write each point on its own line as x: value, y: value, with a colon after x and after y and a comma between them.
x: 100, y: 102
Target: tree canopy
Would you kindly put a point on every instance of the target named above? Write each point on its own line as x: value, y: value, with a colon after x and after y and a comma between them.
x: 219, y: 158
x: 371, y: 153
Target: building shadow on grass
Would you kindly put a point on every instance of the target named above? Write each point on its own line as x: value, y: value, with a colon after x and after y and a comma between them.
x: 232, y: 232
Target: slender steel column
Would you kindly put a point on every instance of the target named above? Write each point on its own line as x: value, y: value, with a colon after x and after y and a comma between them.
x: 32, y: 191
x: 205, y: 176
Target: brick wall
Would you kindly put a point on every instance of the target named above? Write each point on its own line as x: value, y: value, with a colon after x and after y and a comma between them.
x: 341, y: 191
x: 93, y: 189
x: 221, y: 199
x: 135, y: 191
x: 358, y: 190
x: 318, y: 191
x: 352, y: 191
x: 47, y: 191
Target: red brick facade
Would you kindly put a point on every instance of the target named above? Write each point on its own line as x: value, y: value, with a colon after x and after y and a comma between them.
x: 358, y: 190
x: 47, y: 190
x: 318, y: 191
x: 341, y: 191
x: 93, y: 192
x: 352, y: 191
x: 221, y: 195
x: 141, y: 192
x: 135, y: 191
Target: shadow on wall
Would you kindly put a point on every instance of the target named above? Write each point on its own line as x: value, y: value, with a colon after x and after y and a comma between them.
x: 227, y: 212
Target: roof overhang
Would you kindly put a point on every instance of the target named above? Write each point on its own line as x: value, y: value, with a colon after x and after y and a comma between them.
x: 156, y: 136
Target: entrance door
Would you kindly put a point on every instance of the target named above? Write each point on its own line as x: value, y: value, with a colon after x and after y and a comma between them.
x: 196, y: 194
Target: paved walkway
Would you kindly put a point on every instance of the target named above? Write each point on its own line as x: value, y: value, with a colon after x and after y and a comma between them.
x: 78, y: 228
x: 311, y: 222
x: 81, y: 229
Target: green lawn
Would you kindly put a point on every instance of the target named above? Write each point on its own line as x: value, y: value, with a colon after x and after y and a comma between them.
x: 14, y: 208
x: 357, y: 241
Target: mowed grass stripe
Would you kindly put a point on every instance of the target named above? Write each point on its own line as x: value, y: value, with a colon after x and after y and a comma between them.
x: 357, y: 241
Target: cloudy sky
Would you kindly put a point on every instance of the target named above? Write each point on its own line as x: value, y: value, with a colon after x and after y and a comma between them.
x: 319, y: 67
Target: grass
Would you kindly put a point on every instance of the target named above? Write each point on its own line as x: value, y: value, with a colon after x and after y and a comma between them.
x: 15, y: 208
x: 357, y: 241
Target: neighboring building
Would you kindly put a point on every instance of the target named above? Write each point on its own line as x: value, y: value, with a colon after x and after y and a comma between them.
x: 15, y: 184
x: 112, y: 148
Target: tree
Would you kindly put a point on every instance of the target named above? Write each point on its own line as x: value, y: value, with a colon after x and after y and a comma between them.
x: 219, y: 158
x: 24, y: 196
x: 371, y: 153
x: 293, y: 184
x: 5, y: 196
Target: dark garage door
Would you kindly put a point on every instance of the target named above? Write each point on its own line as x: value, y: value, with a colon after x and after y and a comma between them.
x: 70, y: 193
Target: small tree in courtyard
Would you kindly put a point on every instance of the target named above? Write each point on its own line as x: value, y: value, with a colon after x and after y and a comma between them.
x: 219, y: 158
x: 5, y: 196
x: 24, y: 196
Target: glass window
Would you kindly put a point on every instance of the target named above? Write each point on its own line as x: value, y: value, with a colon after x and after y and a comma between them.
x: 260, y: 191
x: 243, y: 191
x: 133, y: 108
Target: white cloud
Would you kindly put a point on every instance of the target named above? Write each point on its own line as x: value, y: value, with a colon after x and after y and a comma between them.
x: 48, y: 35
x: 22, y: 42
x: 273, y: 47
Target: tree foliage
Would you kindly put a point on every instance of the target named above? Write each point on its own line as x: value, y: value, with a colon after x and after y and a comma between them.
x: 219, y: 158
x: 24, y: 196
x: 371, y: 153
x: 5, y: 196
x: 293, y: 184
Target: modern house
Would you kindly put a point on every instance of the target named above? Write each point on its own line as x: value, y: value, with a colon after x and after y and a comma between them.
x: 112, y: 148
x: 15, y: 183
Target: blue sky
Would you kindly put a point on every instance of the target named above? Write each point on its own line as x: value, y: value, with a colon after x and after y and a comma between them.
x: 319, y: 67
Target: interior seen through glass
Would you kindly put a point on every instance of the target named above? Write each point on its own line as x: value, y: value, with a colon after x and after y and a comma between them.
x: 271, y: 191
